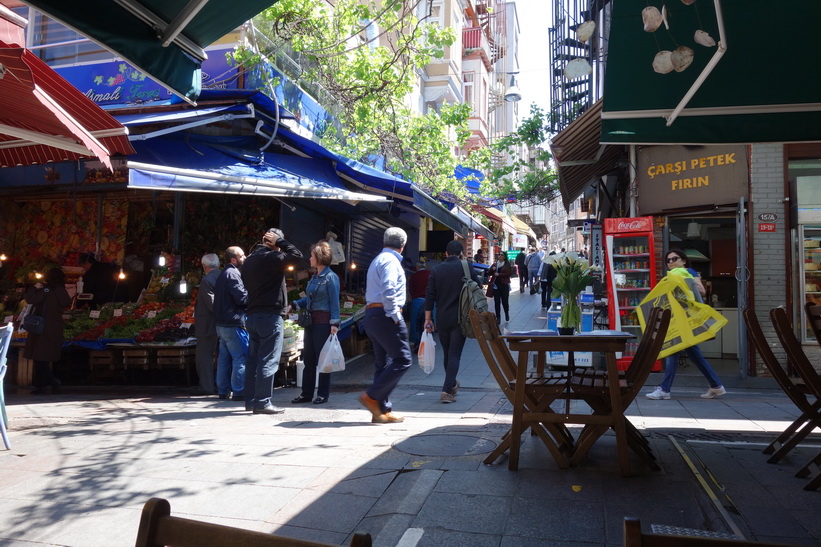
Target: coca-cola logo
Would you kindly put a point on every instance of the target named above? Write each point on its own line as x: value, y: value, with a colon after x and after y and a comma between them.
x: 632, y: 225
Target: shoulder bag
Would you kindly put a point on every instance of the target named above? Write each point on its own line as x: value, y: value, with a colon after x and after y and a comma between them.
x: 36, y: 324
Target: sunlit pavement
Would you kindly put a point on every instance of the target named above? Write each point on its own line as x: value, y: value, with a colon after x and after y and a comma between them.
x: 83, y: 463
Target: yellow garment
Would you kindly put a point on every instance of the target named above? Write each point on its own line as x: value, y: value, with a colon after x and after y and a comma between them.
x: 691, y: 322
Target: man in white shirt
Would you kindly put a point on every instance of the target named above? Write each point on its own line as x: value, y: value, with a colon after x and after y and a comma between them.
x: 385, y: 296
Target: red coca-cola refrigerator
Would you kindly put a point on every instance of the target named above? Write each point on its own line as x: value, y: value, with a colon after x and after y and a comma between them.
x: 630, y: 258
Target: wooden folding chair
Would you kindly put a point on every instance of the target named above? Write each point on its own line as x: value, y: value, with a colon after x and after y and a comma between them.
x: 797, y: 357
x: 539, y: 392
x: 5, y: 342
x: 159, y: 529
x: 594, y: 389
x: 797, y: 392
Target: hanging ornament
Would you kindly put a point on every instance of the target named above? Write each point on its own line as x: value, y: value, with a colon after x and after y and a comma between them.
x: 586, y: 30
x: 662, y: 62
x: 682, y: 57
x: 577, y: 68
x: 651, y: 17
x: 704, y: 39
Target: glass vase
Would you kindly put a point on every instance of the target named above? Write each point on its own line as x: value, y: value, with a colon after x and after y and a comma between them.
x: 571, y: 317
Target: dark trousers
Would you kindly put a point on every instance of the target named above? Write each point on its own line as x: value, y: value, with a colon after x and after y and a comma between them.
x: 391, y: 352
x: 315, y: 337
x: 264, y: 352
x: 501, y: 295
x: 547, y: 288
x: 452, y: 341
x: 43, y: 376
x: 206, y: 349
x: 522, y: 278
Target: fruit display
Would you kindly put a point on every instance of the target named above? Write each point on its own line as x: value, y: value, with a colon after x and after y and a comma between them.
x: 356, y: 303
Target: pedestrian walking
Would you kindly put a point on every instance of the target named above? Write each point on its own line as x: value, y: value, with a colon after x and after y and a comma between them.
x: 417, y: 285
x: 205, y: 329
x: 384, y: 296
x: 521, y: 270
x: 322, y: 302
x: 442, y: 294
x: 500, y: 273
x: 534, y: 264
x: 263, y: 274
x: 677, y: 258
x: 546, y: 276
x: 230, y: 302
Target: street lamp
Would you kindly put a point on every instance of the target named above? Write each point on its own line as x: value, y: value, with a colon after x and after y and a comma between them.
x: 513, y: 95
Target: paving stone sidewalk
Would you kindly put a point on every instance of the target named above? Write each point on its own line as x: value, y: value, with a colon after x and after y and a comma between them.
x: 83, y: 463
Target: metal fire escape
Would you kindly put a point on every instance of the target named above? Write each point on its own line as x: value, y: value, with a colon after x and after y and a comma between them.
x: 569, y: 99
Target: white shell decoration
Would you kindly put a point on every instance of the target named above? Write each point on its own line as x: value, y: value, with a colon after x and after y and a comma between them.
x: 704, y: 39
x: 577, y: 68
x: 688, y: 2
x: 651, y: 17
x: 681, y: 58
x: 586, y: 30
x: 662, y: 62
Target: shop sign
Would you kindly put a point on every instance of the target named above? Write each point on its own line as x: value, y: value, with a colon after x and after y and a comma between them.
x: 597, y: 247
x: 520, y: 240
x: 622, y: 225
x: 766, y: 227
x: 117, y: 82
x: 672, y: 177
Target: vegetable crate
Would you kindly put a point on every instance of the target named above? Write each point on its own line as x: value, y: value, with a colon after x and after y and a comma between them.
x: 178, y: 358
x: 106, y: 364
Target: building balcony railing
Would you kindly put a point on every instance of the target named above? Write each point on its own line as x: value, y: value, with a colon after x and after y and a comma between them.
x: 474, y: 38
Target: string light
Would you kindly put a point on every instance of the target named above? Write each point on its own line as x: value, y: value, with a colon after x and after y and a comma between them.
x: 353, y: 265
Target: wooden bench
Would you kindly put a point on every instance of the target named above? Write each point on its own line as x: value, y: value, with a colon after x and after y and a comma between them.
x: 159, y: 529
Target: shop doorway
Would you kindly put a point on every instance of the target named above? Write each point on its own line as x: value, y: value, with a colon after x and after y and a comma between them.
x: 716, y: 244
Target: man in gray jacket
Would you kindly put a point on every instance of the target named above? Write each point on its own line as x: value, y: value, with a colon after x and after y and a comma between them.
x: 230, y: 300
x: 444, y: 287
x: 204, y: 328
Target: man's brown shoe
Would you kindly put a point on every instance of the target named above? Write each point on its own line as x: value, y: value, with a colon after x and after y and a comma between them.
x: 448, y: 398
x: 371, y: 404
x: 387, y: 418
x: 455, y: 389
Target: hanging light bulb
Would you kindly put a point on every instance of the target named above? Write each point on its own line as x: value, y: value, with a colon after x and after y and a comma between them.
x: 290, y: 268
x: 121, y: 275
x: 161, y: 260
x: 38, y: 275
x: 3, y: 257
x: 353, y: 265
x: 183, y: 286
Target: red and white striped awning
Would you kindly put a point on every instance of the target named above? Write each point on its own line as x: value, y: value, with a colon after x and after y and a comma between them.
x: 43, y: 118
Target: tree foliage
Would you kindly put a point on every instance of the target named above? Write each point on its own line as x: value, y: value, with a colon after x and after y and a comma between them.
x: 371, y: 81
x: 527, y: 181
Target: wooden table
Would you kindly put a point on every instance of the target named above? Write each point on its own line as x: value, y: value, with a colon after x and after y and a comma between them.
x: 609, y: 343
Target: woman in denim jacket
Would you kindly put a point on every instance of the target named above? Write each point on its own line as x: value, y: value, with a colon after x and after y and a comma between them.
x: 322, y: 300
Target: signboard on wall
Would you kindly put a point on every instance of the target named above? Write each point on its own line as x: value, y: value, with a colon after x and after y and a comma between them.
x: 672, y: 177
x: 520, y: 241
x: 597, y: 247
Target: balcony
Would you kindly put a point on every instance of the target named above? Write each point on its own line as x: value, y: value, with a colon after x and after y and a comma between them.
x: 473, y: 39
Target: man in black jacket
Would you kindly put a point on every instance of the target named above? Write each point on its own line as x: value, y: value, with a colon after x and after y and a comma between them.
x: 230, y: 301
x: 444, y: 287
x: 263, y: 275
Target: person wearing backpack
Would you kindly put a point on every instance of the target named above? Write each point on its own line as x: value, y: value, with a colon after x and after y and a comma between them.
x: 443, y: 292
x: 500, y: 273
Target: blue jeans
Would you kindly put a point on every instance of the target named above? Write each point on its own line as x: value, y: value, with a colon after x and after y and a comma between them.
x: 391, y: 352
x: 501, y: 301
x: 534, y: 280
x: 694, y: 354
x: 453, y: 341
x: 264, y: 351
x: 231, y: 360
x: 315, y: 337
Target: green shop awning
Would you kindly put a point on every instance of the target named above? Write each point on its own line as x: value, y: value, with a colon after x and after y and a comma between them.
x: 766, y: 87
x: 162, y: 38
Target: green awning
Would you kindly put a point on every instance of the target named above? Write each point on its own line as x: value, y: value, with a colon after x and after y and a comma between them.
x: 163, y: 38
x: 765, y: 88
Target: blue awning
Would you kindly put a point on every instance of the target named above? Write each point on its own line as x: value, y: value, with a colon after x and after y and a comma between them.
x: 390, y: 185
x: 230, y: 165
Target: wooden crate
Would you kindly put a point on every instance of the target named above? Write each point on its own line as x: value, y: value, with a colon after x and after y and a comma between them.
x: 176, y: 357
x: 139, y: 358
x: 106, y: 364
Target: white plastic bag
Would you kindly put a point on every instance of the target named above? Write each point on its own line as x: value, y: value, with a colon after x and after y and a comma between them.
x: 331, y: 358
x: 427, y: 352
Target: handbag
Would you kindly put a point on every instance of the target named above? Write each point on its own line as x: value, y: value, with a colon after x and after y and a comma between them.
x: 33, y: 323
x: 331, y: 358
x: 304, y: 318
